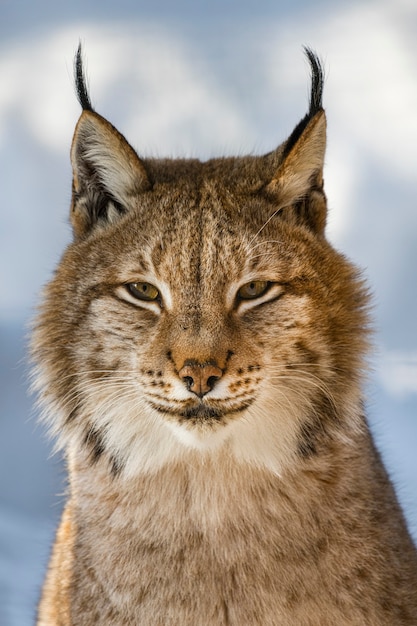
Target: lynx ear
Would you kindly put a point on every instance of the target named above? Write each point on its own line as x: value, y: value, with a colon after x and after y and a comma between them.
x: 107, y: 172
x: 297, y: 184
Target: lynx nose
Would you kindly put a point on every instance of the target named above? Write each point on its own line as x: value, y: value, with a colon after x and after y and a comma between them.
x: 200, y: 378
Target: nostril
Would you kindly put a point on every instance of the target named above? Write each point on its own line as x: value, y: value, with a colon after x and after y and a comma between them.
x: 211, y: 381
x: 189, y: 381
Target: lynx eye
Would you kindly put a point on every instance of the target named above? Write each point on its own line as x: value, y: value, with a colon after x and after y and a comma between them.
x: 143, y: 291
x: 254, y: 289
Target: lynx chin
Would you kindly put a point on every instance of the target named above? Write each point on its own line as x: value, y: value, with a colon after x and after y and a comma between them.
x: 200, y: 354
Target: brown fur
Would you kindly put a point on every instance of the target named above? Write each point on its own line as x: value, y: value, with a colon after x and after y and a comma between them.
x: 221, y: 470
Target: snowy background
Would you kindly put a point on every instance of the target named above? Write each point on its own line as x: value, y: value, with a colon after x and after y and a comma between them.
x: 202, y: 78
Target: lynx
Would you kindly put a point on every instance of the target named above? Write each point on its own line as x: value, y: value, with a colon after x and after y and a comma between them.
x: 200, y: 356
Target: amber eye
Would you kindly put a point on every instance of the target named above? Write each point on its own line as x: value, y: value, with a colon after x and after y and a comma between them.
x: 254, y: 289
x: 143, y: 291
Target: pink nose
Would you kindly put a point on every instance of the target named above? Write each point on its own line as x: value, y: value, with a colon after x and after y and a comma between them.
x: 200, y: 378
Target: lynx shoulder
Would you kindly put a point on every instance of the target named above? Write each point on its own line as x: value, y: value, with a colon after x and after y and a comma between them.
x: 200, y: 355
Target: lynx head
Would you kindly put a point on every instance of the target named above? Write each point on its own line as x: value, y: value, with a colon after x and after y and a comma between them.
x: 200, y: 310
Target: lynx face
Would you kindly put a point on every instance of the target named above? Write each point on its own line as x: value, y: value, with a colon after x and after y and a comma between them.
x: 199, y: 307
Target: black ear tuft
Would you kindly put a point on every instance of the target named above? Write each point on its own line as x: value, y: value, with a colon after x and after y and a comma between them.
x: 81, y: 82
x: 316, y: 96
x: 317, y: 82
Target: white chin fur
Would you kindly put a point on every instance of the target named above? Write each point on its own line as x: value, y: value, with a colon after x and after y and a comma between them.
x: 202, y: 437
x: 144, y: 441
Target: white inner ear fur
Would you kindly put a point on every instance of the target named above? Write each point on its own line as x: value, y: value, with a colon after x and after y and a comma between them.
x: 117, y: 165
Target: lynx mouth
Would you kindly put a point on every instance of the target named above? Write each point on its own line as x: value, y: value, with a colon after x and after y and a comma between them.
x: 202, y: 413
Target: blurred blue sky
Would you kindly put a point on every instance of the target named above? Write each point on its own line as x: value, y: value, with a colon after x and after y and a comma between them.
x: 202, y: 79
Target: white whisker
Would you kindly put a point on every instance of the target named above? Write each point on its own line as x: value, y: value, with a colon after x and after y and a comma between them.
x: 265, y: 224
